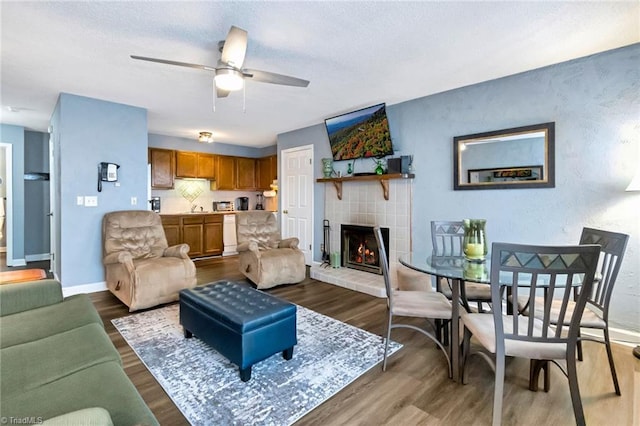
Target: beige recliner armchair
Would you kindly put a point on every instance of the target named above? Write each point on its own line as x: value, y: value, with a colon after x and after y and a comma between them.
x: 141, y: 270
x: 264, y: 258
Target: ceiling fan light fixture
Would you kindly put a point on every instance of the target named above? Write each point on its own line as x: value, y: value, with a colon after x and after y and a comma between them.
x: 205, y: 137
x: 229, y: 79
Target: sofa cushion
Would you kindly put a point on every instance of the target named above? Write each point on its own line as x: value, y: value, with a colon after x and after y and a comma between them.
x: 103, y: 385
x: 18, y: 297
x: 23, y: 327
x: 34, y: 364
x: 96, y: 416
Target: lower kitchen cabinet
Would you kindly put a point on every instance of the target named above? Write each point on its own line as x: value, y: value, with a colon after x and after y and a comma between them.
x: 213, y: 235
x: 171, y: 225
x: 202, y: 232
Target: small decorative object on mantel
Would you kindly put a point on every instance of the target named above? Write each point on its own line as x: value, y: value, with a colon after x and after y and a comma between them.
x: 379, y: 167
x: 327, y: 167
x: 475, y: 240
x: 350, y: 168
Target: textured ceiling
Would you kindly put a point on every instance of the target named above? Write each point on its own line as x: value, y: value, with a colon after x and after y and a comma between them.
x: 355, y: 54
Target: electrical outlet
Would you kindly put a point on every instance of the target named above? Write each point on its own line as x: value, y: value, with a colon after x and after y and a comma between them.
x: 91, y: 201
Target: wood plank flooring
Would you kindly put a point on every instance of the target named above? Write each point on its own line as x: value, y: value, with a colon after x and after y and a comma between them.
x: 415, y: 389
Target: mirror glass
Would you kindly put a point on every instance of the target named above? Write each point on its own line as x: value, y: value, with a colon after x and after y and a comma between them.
x: 521, y: 157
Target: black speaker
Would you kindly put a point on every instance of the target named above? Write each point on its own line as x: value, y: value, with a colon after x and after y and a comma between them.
x: 398, y: 165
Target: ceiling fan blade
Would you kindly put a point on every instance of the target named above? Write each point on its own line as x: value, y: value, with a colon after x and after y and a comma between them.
x: 271, y: 77
x: 235, y: 47
x: 180, y: 64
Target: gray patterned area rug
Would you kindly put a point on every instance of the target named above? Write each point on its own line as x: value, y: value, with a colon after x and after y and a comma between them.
x: 207, y: 388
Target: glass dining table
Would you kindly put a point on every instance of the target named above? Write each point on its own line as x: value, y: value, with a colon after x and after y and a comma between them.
x: 458, y: 270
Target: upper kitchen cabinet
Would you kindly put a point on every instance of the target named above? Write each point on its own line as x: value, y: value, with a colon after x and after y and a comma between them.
x: 226, y: 178
x: 245, y: 173
x: 162, y: 172
x: 195, y: 165
x: 267, y: 168
x: 235, y: 173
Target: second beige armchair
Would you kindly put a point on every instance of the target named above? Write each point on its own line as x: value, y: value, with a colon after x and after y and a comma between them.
x: 264, y: 258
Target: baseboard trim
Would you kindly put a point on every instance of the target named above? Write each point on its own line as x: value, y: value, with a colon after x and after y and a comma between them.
x: 617, y: 335
x: 37, y: 257
x: 84, y: 288
x: 17, y: 262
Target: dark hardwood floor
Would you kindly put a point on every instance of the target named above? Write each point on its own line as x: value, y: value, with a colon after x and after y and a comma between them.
x: 415, y: 389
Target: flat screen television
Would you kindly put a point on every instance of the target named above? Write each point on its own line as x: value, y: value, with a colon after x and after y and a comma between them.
x: 361, y: 133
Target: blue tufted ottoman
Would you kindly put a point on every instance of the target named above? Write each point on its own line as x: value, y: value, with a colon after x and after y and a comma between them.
x: 243, y: 324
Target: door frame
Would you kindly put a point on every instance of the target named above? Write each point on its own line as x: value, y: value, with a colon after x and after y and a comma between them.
x: 8, y: 214
x: 53, y: 230
x: 310, y: 188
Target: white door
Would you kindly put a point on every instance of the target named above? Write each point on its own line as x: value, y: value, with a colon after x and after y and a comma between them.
x: 297, y: 197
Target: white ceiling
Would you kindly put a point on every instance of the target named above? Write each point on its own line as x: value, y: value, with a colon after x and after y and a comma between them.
x: 355, y: 54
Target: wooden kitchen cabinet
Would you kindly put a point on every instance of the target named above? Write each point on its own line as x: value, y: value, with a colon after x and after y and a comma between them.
x: 246, y: 174
x: 172, y: 225
x: 213, y: 235
x: 202, y: 232
x: 267, y: 170
x: 193, y: 234
x: 206, y: 166
x: 162, y: 172
x: 226, y: 172
x: 195, y: 165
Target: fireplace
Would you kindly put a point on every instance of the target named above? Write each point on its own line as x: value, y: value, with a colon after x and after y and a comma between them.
x: 359, y: 247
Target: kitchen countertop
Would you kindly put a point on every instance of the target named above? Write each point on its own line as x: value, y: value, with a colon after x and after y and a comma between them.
x: 206, y: 212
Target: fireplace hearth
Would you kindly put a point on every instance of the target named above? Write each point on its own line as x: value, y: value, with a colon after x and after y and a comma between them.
x: 359, y: 247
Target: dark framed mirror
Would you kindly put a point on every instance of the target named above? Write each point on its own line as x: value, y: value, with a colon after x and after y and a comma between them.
x: 521, y: 157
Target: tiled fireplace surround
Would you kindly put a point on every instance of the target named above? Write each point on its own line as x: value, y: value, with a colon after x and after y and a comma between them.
x: 363, y: 203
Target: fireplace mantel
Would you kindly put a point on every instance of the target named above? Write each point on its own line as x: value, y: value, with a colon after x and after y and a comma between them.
x: 383, y: 179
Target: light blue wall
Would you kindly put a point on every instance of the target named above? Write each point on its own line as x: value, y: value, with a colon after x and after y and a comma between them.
x: 90, y: 131
x: 594, y: 101
x: 184, y: 144
x: 36, y: 196
x: 14, y: 135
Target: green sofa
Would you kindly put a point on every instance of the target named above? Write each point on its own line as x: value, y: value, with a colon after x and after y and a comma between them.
x: 57, y: 362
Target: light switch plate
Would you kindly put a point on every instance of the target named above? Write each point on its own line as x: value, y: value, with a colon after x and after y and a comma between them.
x: 90, y: 201
x: 134, y: 201
x: 80, y: 200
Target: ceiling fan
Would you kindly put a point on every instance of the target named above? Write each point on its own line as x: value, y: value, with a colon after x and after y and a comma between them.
x: 229, y: 74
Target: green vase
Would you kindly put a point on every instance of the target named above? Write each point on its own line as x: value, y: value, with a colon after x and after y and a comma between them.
x: 474, y: 242
x: 327, y: 167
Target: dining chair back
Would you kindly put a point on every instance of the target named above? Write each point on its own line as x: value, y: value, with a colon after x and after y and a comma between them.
x: 418, y: 304
x: 447, y: 237
x: 527, y: 270
x: 596, y: 314
x: 446, y: 240
x: 613, y: 246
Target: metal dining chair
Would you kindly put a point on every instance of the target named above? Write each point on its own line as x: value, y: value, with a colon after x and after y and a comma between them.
x: 446, y: 241
x: 524, y: 269
x: 596, y: 314
x: 417, y: 304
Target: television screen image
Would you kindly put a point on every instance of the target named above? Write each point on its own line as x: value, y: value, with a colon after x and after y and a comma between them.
x: 361, y: 133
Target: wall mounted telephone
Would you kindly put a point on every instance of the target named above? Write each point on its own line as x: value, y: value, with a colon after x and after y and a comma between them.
x: 107, y: 172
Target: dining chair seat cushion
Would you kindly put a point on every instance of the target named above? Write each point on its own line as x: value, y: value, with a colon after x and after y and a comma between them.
x: 474, y: 291
x: 590, y: 317
x: 482, y: 328
x: 429, y: 304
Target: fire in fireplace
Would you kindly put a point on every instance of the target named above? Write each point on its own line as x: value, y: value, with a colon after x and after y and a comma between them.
x: 359, y: 248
